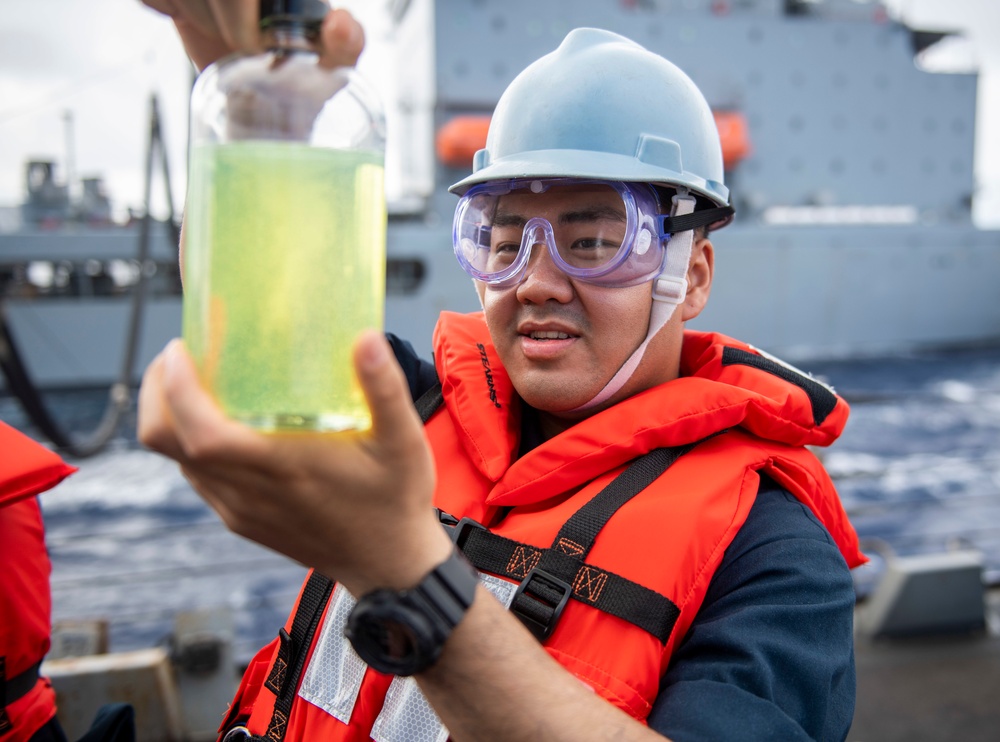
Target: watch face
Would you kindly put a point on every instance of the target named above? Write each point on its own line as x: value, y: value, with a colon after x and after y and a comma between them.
x: 395, y: 641
x: 390, y: 636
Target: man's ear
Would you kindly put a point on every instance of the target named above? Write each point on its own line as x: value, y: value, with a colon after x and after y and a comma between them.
x: 699, y: 277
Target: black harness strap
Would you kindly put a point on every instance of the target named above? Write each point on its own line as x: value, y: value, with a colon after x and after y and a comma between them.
x: 13, y: 689
x: 428, y: 402
x: 550, y: 577
x: 542, y: 594
x: 283, y: 680
x: 821, y: 398
x: 577, y: 536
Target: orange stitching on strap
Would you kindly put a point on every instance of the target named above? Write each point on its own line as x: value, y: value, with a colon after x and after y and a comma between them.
x: 276, y: 731
x: 276, y: 678
x: 522, y: 561
x: 589, y: 584
x: 566, y: 546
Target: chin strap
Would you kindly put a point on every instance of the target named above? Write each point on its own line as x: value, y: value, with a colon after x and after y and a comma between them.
x: 669, y: 290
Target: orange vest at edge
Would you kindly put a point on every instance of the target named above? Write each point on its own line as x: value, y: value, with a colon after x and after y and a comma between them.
x: 26, y: 469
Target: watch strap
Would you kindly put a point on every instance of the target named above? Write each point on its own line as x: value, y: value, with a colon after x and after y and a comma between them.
x: 446, y: 593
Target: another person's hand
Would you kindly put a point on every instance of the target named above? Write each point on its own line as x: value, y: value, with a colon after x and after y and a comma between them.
x: 211, y: 29
x: 356, y: 507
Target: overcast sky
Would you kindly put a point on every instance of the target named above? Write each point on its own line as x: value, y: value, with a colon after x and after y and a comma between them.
x: 102, y: 59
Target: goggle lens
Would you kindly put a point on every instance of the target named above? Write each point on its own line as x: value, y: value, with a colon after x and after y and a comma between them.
x: 591, y: 230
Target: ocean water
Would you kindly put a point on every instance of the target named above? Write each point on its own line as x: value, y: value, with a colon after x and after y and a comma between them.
x: 918, y: 465
x: 918, y: 469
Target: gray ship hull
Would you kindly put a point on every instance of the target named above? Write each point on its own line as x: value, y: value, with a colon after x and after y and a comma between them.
x: 799, y: 292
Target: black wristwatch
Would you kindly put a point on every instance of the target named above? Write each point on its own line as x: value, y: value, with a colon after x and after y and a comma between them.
x: 403, y: 633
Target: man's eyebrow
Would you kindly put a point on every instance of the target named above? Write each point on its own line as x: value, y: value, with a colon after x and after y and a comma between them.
x: 508, y: 219
x: 587, y: 214
x: 592, y: 214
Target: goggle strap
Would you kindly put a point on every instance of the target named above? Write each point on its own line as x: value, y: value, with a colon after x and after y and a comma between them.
x: 670, y: 287
x: 675, y: 275
x: 684, y: 222
x: 670, y: 290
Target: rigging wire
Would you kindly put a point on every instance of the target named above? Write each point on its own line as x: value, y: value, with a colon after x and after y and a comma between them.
x: 119, y: 395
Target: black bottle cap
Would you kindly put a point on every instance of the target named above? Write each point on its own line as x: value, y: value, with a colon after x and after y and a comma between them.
x: 296, y: 11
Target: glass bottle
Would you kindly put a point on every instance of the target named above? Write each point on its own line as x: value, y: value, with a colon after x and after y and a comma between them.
x: 284, y: 259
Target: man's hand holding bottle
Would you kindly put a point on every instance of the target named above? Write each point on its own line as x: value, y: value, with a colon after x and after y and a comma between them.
x: 211, y: 29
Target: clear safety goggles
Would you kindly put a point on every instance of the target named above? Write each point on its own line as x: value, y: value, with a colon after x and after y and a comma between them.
x: 602, y: 232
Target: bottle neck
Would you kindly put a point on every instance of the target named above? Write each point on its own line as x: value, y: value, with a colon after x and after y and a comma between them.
x: 288, y: 35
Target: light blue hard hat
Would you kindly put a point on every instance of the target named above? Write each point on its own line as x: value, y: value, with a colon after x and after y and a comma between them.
x: 601, y: 106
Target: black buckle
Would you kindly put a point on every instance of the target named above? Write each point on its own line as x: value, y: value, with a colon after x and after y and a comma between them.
x: 555, y: 601
x: 446, y: 519
x: 460, y: 533
x: 458, y: 529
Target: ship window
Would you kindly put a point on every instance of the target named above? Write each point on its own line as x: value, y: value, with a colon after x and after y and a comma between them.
x: 403, y: 276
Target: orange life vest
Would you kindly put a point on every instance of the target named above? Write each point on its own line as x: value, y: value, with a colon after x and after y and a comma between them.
x: 734, y: 412
x: 26, y: 469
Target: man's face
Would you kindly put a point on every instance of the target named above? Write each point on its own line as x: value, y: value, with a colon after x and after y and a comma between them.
x: 560, y: 339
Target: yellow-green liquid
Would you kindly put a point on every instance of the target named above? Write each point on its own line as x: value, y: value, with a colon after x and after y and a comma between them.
x: 284, y: 265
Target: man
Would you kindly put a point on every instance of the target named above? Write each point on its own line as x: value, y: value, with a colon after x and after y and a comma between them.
x: 657, y: 553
